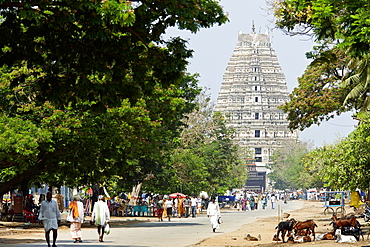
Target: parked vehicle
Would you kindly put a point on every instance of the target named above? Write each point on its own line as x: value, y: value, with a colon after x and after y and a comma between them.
x: 366, y: 213
x: 334, y: 199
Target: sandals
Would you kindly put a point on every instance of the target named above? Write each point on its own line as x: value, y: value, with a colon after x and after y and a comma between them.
x: 78, y: 240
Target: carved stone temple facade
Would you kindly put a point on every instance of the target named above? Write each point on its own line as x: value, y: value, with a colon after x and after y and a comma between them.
x: 253, y: 87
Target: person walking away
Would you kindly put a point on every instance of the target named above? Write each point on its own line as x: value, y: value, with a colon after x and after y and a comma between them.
x: 60, y: 200
x: 100, y: 216
x: 175, y: 207
x: 193, y: 204
x: 76, y: 217
x: 252, y: 203
x: 160, y: 209
x: 264, y: 202
x: 180, y: 206
x: 273, y: 201
x: 164, y: 215
x: 244, y: 204
x: 248, y: 205
x: 199, y: 205
x: 256, y: 201
x: 49, y: 217
x: 213, y: 213
x: 169, y: 205
x: 187, y: 204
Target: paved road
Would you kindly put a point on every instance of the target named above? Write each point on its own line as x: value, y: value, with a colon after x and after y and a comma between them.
x: 177, y: 232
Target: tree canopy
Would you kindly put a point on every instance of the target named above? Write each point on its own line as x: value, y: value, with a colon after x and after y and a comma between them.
x: 319, y: 95
x: 204, y: 158
x: 343, y: 165
x: 337, y: 79
x: 90, y: 90
x: 288, y: 170
x: 341, y: 23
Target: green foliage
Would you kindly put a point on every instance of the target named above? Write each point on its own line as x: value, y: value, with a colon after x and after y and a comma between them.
x: 358, y: 79
x: 343, y: 29
x: 287, y: 169
x: 102, y: 93
x: 22, y: 138
x: 205, y: 157
x: 344, y: 165
x: 318, y: 96
x: 343, y: 22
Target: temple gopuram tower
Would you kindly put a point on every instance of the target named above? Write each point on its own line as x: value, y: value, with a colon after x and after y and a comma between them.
x: 253, y: 87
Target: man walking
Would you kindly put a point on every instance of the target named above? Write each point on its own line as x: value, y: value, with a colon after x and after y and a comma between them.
x: 213, y: 213
x: 187, y: 204
x: 193, y: 206
x: 101, y: 216
x: 49, y: 217
x: 273, y: 201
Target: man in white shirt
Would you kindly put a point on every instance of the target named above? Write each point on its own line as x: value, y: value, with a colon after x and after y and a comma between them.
x: 169, y: 206
x: 101, y: 216
x: 273, y: 201
x: 193, y: 206
x: 213, y: 213
x: 49, y: 217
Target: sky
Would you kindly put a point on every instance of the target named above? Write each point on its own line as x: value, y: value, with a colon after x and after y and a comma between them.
x: 213, y: 48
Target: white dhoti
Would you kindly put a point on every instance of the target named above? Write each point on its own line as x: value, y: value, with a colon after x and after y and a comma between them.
x: 49, y: 214
x: 76, y: 230
x: 214, y: 221
x: 50, y: 224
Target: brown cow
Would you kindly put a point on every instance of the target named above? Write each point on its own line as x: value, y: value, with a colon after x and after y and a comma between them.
x: 309, y: 225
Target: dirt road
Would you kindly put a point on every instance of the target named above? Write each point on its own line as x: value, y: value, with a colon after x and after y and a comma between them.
x: 265, y: 228
x: 17, y: 233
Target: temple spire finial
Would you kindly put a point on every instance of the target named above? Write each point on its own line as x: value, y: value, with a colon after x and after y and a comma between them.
x: 253, y: 28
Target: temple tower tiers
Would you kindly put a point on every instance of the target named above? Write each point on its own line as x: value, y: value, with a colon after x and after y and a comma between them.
x: 253, y: 87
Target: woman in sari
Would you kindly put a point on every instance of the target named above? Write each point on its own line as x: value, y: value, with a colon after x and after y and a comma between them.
x: 180, y: 206
x: 160, y: 209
